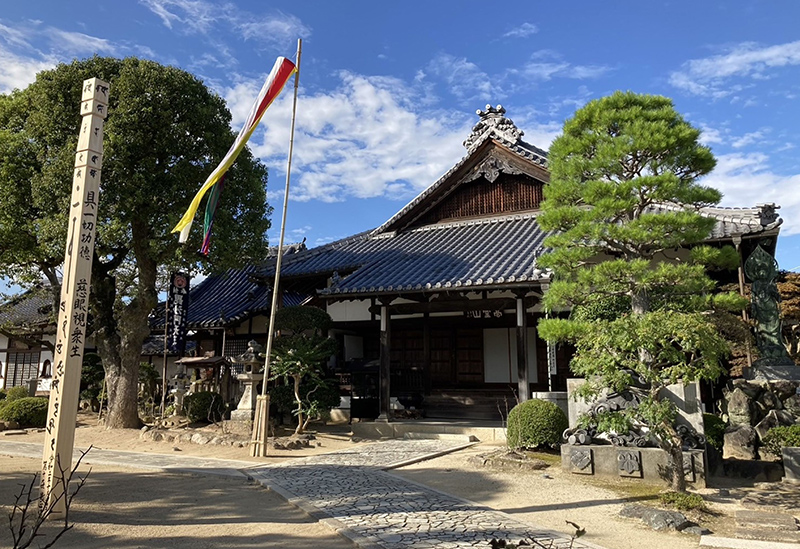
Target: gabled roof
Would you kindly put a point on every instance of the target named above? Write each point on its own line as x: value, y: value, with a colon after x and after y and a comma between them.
x: 228, y: 298
x: 492, y: 129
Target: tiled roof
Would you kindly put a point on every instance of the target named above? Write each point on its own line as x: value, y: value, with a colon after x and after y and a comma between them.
x: 735, y: 221
x: 30, y: 309
x: 227, y: 298
x: 154, y: 345
x: 477, y: 253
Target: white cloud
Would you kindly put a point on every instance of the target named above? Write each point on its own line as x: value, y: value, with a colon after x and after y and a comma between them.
x: 749, y: 139
x: 206, y: 17
x: 278, y: 29
x: 368, y: 137
x: 547, y: 64
x: 77, y: 43
x: 710, y: 136
x: 523, y: 31
x: 464, y: 78
x: 747, y: 180
x: 14, y: 37
x: 711, y: 76
x: 188, y: 15
x: 19, y: 71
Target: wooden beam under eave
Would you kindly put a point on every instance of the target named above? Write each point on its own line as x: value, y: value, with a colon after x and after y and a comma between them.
x: 495, y: 304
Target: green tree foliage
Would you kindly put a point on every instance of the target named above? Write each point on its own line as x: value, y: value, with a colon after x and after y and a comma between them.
x: 299, y: 355
x: 164, y: 134
x: 622, y: 205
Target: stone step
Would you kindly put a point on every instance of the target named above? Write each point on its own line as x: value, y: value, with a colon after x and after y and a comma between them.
x: 766, y: 520
x: 768, y: 534
x: 718, y: 542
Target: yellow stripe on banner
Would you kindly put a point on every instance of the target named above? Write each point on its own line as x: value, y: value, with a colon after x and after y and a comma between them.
x: 185, y: 224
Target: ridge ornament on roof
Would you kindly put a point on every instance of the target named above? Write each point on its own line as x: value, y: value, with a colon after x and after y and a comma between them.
x: 494, y: 124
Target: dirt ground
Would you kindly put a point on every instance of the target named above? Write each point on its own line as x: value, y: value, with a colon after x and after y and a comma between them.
x: 129, y: 508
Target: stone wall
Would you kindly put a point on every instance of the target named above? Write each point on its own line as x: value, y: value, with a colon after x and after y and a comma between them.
x: 751, y: 408
x: 647, y: 464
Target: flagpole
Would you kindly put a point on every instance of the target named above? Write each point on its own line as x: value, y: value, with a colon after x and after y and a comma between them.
x: 258, y: 444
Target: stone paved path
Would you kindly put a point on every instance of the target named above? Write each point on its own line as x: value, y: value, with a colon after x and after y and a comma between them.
x: 380, y: 510
x: 352, y: 492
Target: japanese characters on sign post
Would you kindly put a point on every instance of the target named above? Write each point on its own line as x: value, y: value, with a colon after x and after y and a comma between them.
x: 178, y: 307
x: 74, y: 304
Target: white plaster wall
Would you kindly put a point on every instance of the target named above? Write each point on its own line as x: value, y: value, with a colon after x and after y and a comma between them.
x: 349, y: 310
x: 500, y: 355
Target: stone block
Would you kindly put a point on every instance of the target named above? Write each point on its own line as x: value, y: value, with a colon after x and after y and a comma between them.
x: 791, y: 464
x: 740, y: 443
x: 629, y: 463
x: 752, y: 390
x: 784, y: 388
x: 581, y: 461
x: 739, y: 408
x: 774, y: 418
x: 792, y: 406
x: 770, y: 400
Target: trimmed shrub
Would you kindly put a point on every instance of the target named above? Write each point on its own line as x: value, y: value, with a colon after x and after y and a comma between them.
x: 27, y: 411
x: 204, y: 406
x: 16, y: 393
x: 535, y: 423
x: 781, y: 437
x: 714, y: 428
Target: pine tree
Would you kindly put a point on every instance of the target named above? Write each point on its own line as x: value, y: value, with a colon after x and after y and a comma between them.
x: 622, y: 204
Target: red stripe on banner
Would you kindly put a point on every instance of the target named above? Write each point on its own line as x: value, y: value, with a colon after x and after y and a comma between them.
x: 285, y: 72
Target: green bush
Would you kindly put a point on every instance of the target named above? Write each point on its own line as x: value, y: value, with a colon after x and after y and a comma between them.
x: 683, y: 501
x: 781, y: 437
x: 535, y: 423
x: 715, y: 431
x: 204, y: 406
x: 27, y: 411
x: 16, y: 393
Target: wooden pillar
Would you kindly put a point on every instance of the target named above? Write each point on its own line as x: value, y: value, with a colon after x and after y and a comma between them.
x: 386, y: 360
x: 73, y: 310
x: 523, y: 377
x: 426, y: 351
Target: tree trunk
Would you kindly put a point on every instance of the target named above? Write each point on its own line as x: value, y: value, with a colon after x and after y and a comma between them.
x: 299, y: 428
x: 675, y: 462
x: 121, y: 328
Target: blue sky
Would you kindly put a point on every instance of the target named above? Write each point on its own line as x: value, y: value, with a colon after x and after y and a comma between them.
x: 388, y: 91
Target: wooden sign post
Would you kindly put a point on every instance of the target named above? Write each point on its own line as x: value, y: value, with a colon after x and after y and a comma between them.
x: 74, y: 304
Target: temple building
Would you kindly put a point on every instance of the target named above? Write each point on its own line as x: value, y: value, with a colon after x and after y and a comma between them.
x: 437, y: 308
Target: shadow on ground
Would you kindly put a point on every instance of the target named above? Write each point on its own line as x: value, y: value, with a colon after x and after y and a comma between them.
x: 133, y: 509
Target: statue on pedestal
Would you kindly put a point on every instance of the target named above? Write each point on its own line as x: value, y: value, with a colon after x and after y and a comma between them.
x: 762, y: 269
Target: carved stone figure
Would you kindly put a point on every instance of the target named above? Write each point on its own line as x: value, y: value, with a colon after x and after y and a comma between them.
x: 762, y: 269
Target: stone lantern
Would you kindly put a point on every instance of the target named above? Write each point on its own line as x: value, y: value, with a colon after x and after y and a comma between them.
x: 252, y: 358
